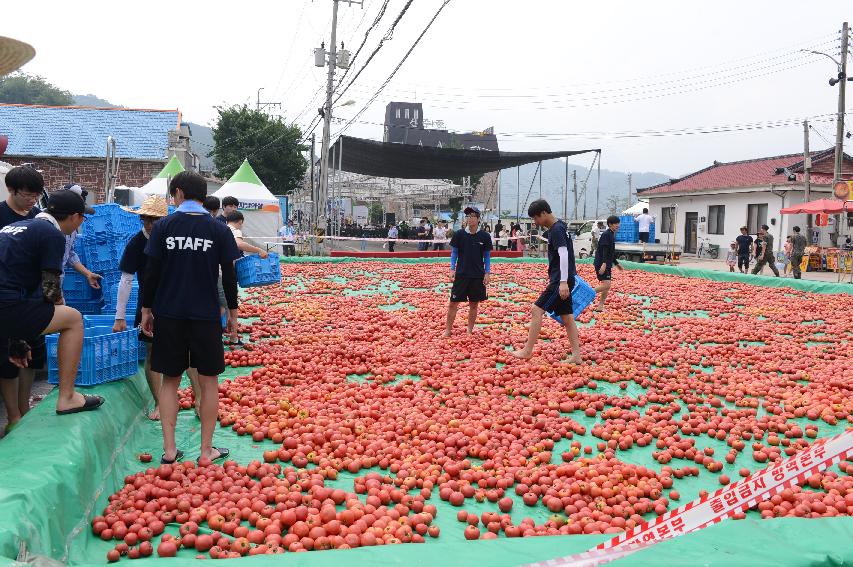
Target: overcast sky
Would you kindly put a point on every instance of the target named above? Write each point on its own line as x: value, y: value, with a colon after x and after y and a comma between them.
x: 566, y: 69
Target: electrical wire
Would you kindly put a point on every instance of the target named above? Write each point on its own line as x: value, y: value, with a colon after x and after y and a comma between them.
x: 399, y: 65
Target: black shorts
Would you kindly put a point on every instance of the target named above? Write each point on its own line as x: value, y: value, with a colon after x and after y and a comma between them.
x: 468, y: 289
x: 644, y: 237
x: 183, y: 343
x: 550, y: 300
x: 24, y: 319
x: 606, y: 277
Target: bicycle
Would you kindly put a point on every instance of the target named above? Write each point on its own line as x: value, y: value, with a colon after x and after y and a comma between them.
x: 707, y: 249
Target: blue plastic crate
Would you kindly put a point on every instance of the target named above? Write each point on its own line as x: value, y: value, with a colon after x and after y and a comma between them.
x: 582, y: 296
x: 252, y: 271
x: 110, y: 282
x: 75, y: 287
x: 102, y: 320
x: 106, y: 356
x: 102, y: 257
x: 87, y: 306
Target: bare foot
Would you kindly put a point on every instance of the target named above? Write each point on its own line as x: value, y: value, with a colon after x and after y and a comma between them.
x: 447, y: 334
x: 524, y: 355
x: 154, y: 414
x: 575, y: 359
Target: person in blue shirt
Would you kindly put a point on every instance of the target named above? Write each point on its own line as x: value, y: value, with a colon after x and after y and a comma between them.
x: 557, y: 296
x: 132, y: 265
x: 24, y: 185
x: 180, y: 307
x: 31, y: 302
x: 470, y: 264
x: 605, y: 259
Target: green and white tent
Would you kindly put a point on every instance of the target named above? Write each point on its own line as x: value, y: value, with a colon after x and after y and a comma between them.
x: 160, y: 184
x: 259, y: 206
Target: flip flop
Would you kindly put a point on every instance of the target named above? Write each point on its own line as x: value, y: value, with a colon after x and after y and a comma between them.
x: 223, y: 454
x: 92, y: 403
x: 178, y: 456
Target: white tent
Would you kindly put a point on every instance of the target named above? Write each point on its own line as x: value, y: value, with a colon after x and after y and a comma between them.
x: 636, y: 209
x: 259, y: 206
x: 160, y: 184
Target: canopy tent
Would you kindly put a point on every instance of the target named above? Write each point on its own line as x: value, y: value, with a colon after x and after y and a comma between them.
x: 259, y: 206
x: 407, y: 161
x: 821, y: 206
x: 160, y: 184
x: 637, y: 208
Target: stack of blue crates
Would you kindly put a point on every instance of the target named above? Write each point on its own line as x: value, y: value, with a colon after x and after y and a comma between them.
x: 629, y: 230
x: 79, y: 294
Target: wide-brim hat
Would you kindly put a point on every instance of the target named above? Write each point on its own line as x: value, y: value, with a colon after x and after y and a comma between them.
x: 152, y: 206
x: 14, y: 54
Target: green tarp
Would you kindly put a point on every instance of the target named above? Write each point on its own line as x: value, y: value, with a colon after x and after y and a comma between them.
x: 58, y: 473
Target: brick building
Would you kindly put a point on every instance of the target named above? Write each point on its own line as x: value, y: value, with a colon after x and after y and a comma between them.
x: 69, y: 143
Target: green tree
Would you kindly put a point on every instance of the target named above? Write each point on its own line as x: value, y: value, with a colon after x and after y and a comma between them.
x: 614, y: 205
x: 374, y: 214
x: 273, y: 147
x: 20, y: 88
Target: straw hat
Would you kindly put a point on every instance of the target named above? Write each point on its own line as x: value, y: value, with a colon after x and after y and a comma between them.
x: 152, y: 206
x: 13, y: 54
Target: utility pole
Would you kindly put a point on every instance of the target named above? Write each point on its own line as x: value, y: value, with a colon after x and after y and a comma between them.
x: 839, y: 125
x: 517, y: 194
x: 314, y: 199
x: 807, y: 167
x: 540, y: 179
x: 332, y: 62
x: 629, y: 191
x: 575, y: 191
x: 258, y: 105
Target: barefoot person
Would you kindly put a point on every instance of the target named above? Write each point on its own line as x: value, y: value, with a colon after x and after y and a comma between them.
x: 557, y: 297
x: 31, y: 302
x: 470, y: 259
x: 180, y: 309
x: 605, y: 259
x: 132, y: 265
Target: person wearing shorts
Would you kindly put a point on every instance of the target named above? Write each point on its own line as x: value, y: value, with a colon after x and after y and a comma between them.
x: 31, y: 302
x: 180, y: 307
x: 605, y: 259
x: 470, y: 264
x: 557, y: 296
x: 132, y: 265
x: 644, y: 225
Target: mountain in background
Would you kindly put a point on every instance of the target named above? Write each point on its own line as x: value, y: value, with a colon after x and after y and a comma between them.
x: 613, y: 195
x: 202, y: 136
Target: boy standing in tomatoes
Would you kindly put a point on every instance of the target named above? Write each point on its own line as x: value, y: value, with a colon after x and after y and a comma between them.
x: 470, y: 263
x: 605, y: 259
x: 557, y: 296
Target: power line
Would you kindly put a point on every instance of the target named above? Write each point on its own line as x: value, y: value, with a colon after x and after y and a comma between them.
x: 400, y: 64
x: 376, y: 21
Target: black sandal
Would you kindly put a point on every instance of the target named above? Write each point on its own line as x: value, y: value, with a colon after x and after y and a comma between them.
x: 90, y: 403
x: 178, y: 456
x: 223, y: 454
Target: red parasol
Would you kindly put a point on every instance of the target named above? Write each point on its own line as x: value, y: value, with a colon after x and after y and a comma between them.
x: 821, y: 206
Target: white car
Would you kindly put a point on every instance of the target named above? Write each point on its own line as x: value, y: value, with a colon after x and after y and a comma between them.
x: 583, y: 238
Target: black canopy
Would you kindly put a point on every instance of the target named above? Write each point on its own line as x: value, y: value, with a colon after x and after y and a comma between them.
x: 420, y: 162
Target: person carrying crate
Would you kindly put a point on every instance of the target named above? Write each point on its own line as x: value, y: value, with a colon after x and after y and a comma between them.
x: 31, y: 302
x: 557, y: 296
x: 180, y: 307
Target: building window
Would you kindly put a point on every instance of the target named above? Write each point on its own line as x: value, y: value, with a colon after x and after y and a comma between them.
x: 398, y: 113
x: 716, y: 219
x: 416, y: 114
x: 406, y: 113
x: 667, y: 219
x: 756, y: 215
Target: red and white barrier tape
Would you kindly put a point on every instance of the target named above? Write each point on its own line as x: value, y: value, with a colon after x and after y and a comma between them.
x: 303, y: 237
x: 724, y: 503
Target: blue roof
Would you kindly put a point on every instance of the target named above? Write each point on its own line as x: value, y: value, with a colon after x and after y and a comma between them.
x: 65, y: 131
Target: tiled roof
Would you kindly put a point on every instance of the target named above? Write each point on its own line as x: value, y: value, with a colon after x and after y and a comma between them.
x: 752, y: 173
x: 72, y: 131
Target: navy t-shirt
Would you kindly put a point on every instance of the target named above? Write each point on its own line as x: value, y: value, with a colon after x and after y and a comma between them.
x: 605, y: 253
x: 558, y: 236
x: 222, y: 219
x: 744, y: 243
x: 191, y: 248
x: 472, y: 250
x: 26, y: 248
x: 8, y: 216
x: 133, y: 259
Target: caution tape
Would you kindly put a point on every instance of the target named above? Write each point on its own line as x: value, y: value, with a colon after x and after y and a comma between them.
x: 714, y: 508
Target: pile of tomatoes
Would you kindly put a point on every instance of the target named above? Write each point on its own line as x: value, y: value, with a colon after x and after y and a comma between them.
x: 343, y: 380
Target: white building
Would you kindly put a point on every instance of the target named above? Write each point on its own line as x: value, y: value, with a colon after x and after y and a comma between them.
x: 715, y: 202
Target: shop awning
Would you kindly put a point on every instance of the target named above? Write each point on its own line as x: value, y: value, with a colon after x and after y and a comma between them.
x: 407, y: 161
x: 821, y: 206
